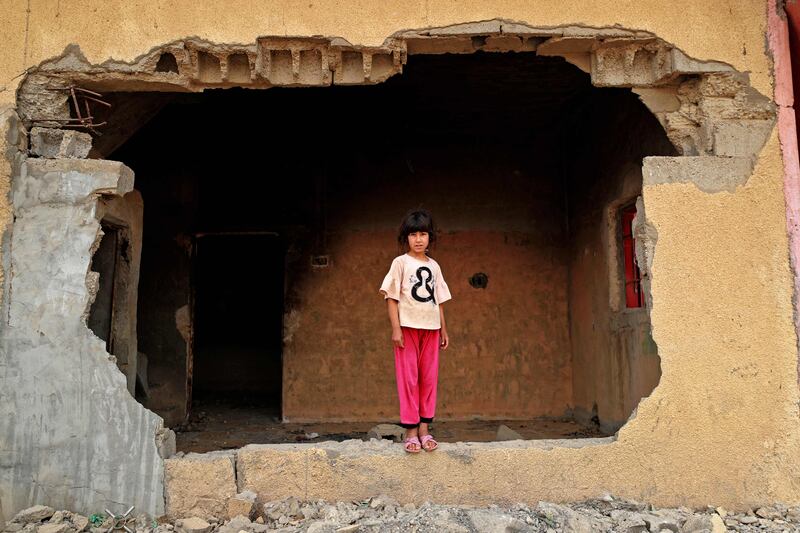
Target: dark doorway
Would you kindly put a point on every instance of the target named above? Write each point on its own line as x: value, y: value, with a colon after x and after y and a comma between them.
x: 239, y: 282
x: 104, y: 262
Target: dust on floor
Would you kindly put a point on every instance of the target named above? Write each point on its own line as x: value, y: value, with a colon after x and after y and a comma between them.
x: 225, y: 424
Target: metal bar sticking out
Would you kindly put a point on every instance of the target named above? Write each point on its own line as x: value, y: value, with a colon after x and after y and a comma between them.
x: 78, y: 95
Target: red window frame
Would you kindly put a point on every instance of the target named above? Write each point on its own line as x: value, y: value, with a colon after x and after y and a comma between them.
x: 634, y: 297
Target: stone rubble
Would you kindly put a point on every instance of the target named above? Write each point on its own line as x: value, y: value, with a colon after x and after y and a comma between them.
x: 384, y: 514
x: 506, y: 433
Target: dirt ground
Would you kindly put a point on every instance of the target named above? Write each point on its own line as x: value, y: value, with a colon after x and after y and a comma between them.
x: 225, y: 424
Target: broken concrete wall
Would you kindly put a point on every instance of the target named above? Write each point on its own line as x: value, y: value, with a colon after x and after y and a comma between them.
x: 71, y: 433
x: 615, y: 361
x: 116, y: 290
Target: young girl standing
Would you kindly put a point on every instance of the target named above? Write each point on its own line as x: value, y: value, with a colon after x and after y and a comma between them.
x: 415, y: 291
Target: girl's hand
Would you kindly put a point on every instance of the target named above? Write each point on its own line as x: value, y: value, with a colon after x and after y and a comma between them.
x: 444, y: 340
x: 397, y: 337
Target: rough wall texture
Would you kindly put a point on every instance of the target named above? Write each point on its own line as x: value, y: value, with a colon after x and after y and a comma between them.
x: 720, y: 277
x: 70, y: 432
x: 510, y: 354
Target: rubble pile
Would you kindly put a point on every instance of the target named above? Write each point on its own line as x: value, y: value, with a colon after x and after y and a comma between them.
x: 384, y: 514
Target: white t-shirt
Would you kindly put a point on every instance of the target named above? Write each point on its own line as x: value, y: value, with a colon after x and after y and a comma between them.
x: 419, y: 288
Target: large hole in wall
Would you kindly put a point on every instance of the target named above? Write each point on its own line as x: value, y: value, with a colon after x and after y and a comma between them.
x: 270, y: 220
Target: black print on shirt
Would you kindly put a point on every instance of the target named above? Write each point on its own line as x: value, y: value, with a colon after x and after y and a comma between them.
x: 427, y: 280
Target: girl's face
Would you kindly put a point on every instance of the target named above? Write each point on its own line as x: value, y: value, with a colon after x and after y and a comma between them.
x: 418, y: 241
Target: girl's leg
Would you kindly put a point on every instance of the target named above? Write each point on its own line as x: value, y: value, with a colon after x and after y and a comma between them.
x: 407, y: 371
x: 428, y: 378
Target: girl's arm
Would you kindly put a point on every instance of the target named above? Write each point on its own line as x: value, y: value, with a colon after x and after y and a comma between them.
x: 444, y: 339
x: 394, y: 318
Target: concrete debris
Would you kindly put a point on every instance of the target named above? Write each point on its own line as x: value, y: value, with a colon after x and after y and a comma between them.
x: 243, y: 504
x: 506, y: 433
x: 79, y: 522
x: 53, y: 528
x: 59, y: 144
x: 384, y: 502
x: 194, y: 525
x: 659, y: 522
x: 37, y: 513
x: 382, y: 431
x: 382, y: 513
x: 495, y: 522
x: 629, y: 521
x: 768, y: 512
x: 717, y: 525
x: 697, y: 524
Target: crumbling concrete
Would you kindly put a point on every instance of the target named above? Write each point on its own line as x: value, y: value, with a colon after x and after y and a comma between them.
x: 73, y: 434
x: 457, y: 473
x: 701, y: 104
x: 710, y: 174
x: 59, y: 144
x: 195, y: 65
x: 125, y: 215
x: 646, y: 238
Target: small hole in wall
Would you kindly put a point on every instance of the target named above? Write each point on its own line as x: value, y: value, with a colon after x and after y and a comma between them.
x: 239, y: 68
x: 320, y: 261
x: 478, y: 42
x: 479, y: 280
x: 208, y: 68
x: 167, y: 63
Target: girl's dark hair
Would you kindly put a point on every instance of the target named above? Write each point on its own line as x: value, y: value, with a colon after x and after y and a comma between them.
x: 414, y: 221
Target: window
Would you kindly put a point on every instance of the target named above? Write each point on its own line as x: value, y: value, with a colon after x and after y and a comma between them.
x: 634, y: 297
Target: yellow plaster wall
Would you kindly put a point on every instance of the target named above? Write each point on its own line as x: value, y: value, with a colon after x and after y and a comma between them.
x: 723, y: 422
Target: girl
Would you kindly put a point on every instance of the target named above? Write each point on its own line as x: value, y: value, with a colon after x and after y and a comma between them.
x: 415, y: 291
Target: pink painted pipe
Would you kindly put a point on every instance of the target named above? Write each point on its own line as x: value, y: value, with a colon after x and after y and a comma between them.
x: 778, y: 37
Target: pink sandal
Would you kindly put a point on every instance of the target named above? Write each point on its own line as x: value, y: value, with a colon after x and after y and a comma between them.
x: 426, y: 439
x: 407, y: 445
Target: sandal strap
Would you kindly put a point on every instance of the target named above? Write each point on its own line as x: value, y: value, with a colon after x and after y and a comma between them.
x: 409, y: 442
x: 426, y: 438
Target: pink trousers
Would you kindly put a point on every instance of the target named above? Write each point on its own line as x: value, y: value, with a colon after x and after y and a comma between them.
x: 417, y: 369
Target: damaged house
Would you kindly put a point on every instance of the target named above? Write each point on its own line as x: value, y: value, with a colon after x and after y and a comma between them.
x: 199, y: 202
